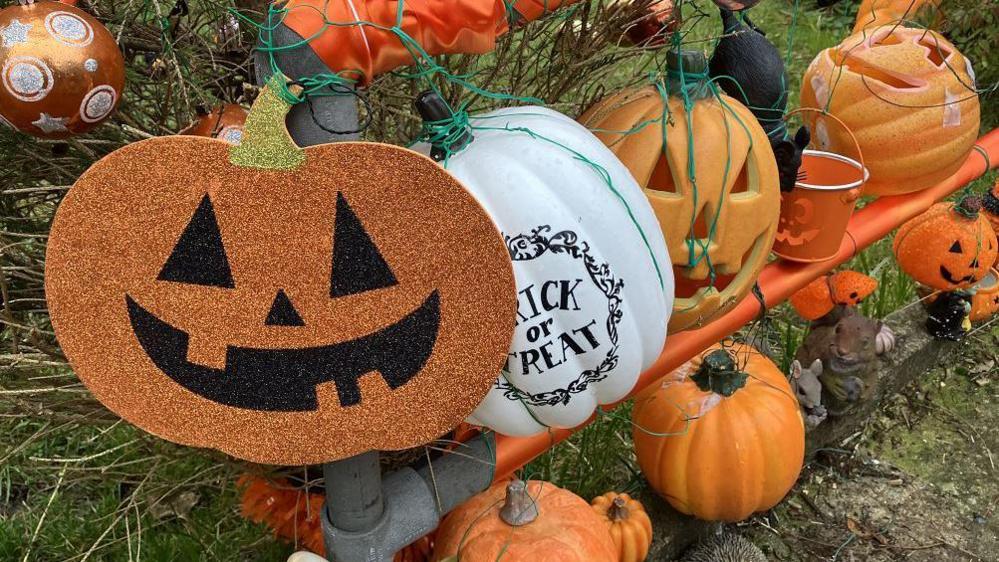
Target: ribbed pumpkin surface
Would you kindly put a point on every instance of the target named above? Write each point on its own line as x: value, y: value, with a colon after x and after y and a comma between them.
x: 630, y: 526
x: 567, y: 530
x: 728, y: 461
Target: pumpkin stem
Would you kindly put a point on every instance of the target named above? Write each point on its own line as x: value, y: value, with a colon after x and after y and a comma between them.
x: 519, y: 508
x: 718, y: 374
x: 687, y: 74
x: 969, y: 206
x: 266, y: 142
x: 618, y: 510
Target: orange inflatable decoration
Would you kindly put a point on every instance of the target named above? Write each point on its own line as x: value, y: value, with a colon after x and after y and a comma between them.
x: 906, y: 94
x: 364, y: 50
x: 820, y: 296
x: 874, y: 13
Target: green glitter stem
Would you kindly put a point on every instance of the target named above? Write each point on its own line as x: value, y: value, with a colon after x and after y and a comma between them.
x: 266, y: 142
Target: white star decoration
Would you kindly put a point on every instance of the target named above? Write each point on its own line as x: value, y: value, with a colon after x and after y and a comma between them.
x: 49, y: 124
x: 15, y: 33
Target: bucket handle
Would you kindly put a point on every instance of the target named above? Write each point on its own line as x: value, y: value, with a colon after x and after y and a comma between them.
x: 856, y: 144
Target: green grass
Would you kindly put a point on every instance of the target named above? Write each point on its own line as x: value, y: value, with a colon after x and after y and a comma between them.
x: 124, y: 497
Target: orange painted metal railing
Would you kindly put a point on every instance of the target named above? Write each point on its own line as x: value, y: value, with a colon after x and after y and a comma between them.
x: 778, y: 281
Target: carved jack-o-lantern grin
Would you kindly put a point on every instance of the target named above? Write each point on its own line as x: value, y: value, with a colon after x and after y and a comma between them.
x: 199, y: 258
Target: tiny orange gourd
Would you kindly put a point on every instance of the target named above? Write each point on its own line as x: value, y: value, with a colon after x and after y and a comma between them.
x: 819, y: 297
x: 630, y: 526
x: 531, y: 521
x: 950, y: 246
x: 721, y: 437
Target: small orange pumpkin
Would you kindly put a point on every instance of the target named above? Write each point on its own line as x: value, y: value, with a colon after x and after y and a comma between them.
x: 721, y: 437
x: 950, y: 246
x: 908, y: 97
x: 820, y: 296
x: 536, y: 522
x: 719, y: 228
x: 630, y: 526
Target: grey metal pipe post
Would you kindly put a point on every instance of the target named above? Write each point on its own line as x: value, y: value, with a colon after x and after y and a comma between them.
x: 368, y: 519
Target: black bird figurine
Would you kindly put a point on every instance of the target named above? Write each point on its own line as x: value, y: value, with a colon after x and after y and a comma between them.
x: 948, y: 316
x: 750, y: 69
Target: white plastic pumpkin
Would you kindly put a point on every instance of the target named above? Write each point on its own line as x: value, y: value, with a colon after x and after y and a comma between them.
x: 594, y: 280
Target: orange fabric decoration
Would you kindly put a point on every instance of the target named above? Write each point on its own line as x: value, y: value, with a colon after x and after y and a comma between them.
x: 873, y: 13
x: 294, y: 515
x: 820, y: 296
x: 365, y: 51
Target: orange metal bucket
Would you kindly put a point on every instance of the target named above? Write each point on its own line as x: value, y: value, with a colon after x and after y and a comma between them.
x: 813, y: 216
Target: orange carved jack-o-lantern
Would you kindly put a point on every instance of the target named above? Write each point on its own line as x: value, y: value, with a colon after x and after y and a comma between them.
x: 286, y: 306
x: 950, y: 246
x: 907, y: 95
x: 719, y: 216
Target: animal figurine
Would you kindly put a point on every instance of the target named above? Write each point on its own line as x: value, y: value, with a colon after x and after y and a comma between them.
x: 724, y: 547
x: 848, y: 344
x: 808, y: 390
x: 950, y: 315
x: 750, y: 69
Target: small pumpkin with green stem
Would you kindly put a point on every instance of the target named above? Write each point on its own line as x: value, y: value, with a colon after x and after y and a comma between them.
x: 721, y: 437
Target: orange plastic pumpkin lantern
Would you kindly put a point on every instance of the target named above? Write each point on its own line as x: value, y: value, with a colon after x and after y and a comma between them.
x: 630, y: 526
x: 722, y: 436
x: 719, y: 227
x: 950, y: 246
x: 820, y: 296
x: 906, y: 94
x: 520, y: 521
x: 985, y: 301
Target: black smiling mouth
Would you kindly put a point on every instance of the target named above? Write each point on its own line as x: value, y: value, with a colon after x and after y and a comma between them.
x: 285, y: 380
x: 949, y: 277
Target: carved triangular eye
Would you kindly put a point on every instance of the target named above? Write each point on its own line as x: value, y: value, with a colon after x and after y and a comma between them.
x: 955, y: 248
x: 199, y: 256
x: 358, y: 266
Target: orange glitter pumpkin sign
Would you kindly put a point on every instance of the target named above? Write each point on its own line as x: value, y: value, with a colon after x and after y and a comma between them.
x: 285, y: 306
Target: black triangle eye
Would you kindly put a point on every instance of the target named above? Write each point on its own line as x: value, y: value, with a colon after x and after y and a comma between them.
x: 955, y: 248
x: 358, y: 266
x: 199, y: 256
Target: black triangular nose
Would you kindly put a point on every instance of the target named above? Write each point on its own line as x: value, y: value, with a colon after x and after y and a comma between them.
x: 282, y: 312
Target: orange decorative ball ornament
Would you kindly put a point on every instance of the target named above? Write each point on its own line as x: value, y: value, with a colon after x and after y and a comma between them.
x: 906, y: 94
x: 722, y: 436
x: 819, y: 297
x: 718, y: 217
x: 520, y: 521
x: 950, y: 246
x: 62, y: 72
x: 225, y: 123
x: 630, y: 526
